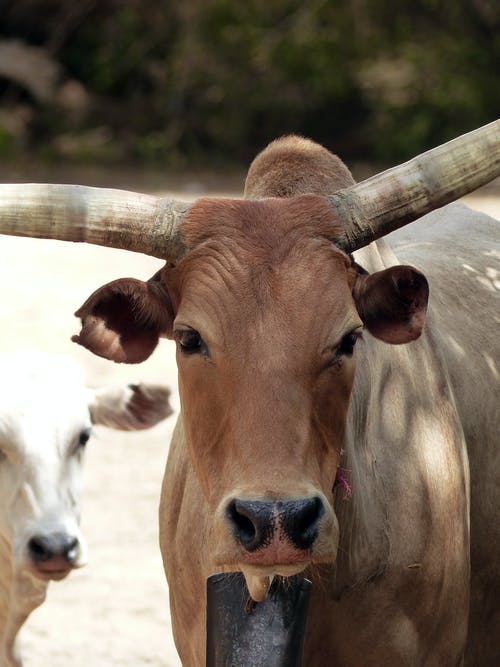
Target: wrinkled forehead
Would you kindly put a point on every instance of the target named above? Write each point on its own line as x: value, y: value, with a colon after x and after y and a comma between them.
x: 263, y: 261
x: 259, y: 223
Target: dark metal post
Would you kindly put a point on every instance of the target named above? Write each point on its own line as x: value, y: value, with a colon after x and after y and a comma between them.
x: 243, y: 633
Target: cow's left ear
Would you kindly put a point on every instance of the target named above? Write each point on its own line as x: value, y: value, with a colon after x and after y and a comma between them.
x: 393, y: 303
x: 124, y: 319
x: 130, y: 407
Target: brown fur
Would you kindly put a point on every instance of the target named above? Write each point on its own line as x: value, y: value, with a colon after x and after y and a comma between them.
x: 293, y: 166
x: 124, y: 319
x: 271, y: 402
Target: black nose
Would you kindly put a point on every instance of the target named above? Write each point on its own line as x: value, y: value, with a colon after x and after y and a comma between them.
x: 300, y: 520
x: 255, y: 521
x: 44, y: 547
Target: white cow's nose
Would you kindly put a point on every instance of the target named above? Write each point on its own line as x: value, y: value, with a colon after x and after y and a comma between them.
x: 43, y: 549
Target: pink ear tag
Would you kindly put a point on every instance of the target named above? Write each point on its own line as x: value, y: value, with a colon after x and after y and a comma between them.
x: 342, y: 482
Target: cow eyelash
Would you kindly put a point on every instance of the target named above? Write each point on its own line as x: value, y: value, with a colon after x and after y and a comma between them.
x: 190, y: 342
x: 346, y: 347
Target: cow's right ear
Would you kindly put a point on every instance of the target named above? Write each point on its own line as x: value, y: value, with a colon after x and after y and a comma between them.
x: 124, y: 319
x: 392, y: 303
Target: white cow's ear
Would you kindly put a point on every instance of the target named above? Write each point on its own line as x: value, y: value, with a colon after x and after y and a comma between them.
x: 130, y: 407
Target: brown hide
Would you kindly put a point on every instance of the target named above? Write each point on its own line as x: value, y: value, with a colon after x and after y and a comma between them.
x: 392, y: 303
x: 124, y: 319
x: 278, y: 439
x: 266, y: 312
x: 277, y: 389
x: 292, y: 166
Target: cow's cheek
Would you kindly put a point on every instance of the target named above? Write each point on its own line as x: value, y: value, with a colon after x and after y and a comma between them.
x: 205, y: 428
x: 8, y: 484
x: 331, y: 399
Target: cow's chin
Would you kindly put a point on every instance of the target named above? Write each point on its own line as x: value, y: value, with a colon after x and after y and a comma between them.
x: 52, y: 575
x: 259, y: 579
x: 52, y: 572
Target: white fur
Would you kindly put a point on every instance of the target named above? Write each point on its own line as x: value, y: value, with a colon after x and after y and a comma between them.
x: 44, y: 408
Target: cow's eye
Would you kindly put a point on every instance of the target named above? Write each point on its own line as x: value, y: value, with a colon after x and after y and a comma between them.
x: 346, y: 347
x: 190, y: 341
x: 83, y: 437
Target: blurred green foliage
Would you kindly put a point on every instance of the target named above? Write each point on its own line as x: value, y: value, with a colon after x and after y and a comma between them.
x: 7, y: 142
x: 217, y: 79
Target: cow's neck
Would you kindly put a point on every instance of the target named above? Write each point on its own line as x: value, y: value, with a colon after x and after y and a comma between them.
x: 20, y: 593
x: 5, y: 578
x: 384, y: 393
x: 376, y: 256
x: 5, y: 586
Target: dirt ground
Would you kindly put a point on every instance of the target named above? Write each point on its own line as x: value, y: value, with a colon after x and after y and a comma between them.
x: 114, y: 612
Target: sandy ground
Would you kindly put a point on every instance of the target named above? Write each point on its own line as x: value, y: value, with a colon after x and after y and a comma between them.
x: 114, y: 612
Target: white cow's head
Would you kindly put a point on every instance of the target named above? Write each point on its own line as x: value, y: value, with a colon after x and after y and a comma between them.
x: 46, y: 418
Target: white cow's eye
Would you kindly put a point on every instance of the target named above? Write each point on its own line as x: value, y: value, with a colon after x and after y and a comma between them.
x: 83, y: 437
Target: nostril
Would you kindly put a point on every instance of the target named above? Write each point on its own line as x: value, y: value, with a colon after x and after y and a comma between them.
x: 252, y: 522
x: 309, y: 515
x: 70, y: 549
x: 39, y: 549
x: 244, y: 527
x: 300, y: 520
x: 43, y: 548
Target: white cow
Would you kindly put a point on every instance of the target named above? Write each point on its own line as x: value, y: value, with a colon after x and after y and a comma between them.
x: 46, y: 418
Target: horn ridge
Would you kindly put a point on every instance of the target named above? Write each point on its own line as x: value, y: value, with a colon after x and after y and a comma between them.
x: 381, y: 204
x: 102, y: 216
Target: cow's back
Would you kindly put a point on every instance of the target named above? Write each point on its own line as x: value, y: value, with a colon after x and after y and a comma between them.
x: 459, y: 251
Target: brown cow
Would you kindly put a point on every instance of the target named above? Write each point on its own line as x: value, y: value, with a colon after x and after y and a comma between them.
x: 265, y: 393
x: 279, y: 387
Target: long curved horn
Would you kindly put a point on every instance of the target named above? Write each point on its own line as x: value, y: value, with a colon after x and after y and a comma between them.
x: 393, y: 198
x: 103, y: 216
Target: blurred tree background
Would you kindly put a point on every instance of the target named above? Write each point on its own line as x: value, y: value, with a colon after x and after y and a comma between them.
x: 212, y: 81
